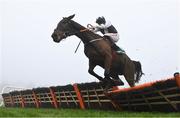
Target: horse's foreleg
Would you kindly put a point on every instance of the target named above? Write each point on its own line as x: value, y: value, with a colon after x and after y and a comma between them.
x: 91, y: 71
x: 107, y: 66
x: 116, y: 79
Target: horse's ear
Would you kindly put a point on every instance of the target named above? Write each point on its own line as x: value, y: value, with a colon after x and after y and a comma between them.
x: 70, y: 17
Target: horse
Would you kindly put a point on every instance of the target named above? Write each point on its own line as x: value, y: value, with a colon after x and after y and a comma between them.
x: 100, y: 53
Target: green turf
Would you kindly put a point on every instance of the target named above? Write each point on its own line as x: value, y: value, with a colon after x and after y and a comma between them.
x: 33, y: 112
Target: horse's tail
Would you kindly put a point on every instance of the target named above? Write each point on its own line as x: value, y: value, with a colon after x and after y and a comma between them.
x: 138, y: 71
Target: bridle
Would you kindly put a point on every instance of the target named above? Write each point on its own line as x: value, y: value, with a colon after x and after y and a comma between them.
x: 67, y: 33
x: 89, y: 26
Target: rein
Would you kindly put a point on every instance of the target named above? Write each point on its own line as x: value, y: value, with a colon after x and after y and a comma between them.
x: 73, y: 33
x: 95, y: 40
x: 84, y: 30
x: 89, y: 26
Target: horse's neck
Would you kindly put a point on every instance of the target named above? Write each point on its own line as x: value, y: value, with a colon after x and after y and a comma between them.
x: 85, y: 36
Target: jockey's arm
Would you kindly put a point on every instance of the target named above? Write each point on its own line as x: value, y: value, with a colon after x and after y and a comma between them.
x: 103, y: 26
x: 94, y: 28
x: 98, y: 27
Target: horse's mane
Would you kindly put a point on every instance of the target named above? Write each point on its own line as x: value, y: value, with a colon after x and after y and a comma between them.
x: 89, y: 33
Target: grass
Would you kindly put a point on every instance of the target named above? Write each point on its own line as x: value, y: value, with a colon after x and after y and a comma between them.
x: 33, y: 112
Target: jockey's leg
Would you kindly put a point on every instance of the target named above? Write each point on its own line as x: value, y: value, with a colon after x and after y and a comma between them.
x: 109, y: 39
x: 113, y: 45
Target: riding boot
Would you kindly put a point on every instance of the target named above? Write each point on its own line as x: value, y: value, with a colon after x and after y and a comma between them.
x: 114, y: 46
x: 117, y: 49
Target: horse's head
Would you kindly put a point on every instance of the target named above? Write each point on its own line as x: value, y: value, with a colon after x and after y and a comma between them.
x: 64, y: 29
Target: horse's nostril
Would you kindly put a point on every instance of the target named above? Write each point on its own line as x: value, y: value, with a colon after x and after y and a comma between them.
x: 54, y: 36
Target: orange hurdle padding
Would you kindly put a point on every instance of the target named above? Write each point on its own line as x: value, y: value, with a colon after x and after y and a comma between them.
x: 11, y: 99
x: 54, y: 100
x: 133, y: 88
x: 35, y: 98
x: 115, y: 88
x: 177, y: 78
x: 139, y: 86
x: 78, y: 93
x: 22, y: 101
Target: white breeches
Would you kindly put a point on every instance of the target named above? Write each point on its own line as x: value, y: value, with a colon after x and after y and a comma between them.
x: 113, y: 36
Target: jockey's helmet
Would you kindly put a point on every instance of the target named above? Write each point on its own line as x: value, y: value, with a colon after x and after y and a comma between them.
x: 100, y: 20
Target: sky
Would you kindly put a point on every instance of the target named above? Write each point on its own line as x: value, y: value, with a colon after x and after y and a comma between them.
x: 149, y: 33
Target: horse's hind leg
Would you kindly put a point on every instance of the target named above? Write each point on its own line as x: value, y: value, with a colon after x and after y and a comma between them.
x: 129, y: 79
x: 129, y: 74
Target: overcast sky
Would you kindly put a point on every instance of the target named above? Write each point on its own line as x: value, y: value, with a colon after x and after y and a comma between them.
x: 149, y: 33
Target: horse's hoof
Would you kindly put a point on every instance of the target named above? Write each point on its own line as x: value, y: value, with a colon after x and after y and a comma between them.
x: 108, y: 86
x: 118, y: 82
x: 105, y: 92
x: 101, y: 79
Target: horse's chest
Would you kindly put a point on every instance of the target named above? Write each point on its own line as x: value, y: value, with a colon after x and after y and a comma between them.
x: 92, y: 54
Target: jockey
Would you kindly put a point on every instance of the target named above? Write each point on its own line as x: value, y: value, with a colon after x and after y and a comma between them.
x: 109, y: 31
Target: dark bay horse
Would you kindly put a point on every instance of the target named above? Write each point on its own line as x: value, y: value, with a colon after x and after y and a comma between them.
x: 99, y: 52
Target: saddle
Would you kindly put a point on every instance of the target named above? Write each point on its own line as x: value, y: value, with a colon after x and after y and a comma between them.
x: 114, y: 46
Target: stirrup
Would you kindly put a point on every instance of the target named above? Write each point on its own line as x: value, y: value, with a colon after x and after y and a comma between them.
x: 120, y: 51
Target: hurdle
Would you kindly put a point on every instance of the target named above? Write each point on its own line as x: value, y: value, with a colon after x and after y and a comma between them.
x: 162, y: 95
